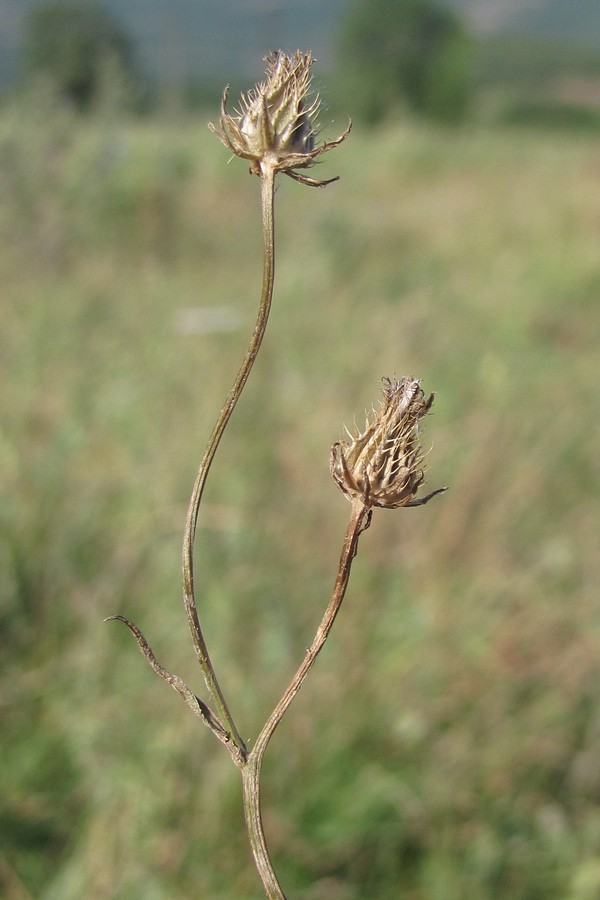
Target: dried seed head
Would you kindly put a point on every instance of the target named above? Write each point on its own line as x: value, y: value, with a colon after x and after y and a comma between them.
x: 275, y: 116
x: 277, y: 122
x: 383, y: 465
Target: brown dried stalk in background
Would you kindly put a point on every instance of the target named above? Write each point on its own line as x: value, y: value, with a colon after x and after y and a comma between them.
x: 275, y: 131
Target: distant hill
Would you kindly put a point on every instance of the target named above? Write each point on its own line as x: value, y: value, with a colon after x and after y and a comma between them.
x: 571, y: 21
x: 190, y: 40
x: 193, y: 40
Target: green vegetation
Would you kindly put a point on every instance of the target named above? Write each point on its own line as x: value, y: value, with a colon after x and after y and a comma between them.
x: 532, y: 81
x: 412, y: 53
x: 75, y: 45
x: 447, y: 743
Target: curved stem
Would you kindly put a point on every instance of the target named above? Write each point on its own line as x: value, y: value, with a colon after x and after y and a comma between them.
x: 359, y: 520
x: 267, y: 203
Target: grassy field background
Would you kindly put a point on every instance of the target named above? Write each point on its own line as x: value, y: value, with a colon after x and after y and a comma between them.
x: 448, y: 742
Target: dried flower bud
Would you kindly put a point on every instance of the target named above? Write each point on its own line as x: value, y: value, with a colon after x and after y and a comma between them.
x: 383, y: 466
x: 276, y: 126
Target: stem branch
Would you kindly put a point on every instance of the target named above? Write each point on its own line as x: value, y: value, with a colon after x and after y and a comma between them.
x: 359, y: 520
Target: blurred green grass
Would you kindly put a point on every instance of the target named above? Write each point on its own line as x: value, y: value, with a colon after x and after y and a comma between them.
x: 448, y: 740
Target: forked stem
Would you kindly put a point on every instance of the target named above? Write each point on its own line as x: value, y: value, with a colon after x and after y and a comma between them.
x: 267, y: 202
x: 251, y: 771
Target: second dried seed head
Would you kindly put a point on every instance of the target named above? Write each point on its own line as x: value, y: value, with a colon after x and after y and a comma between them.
x: 383, y: 465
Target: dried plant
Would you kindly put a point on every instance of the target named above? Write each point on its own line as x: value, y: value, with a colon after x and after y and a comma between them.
x: 275, y: 129
x: 277, y: 124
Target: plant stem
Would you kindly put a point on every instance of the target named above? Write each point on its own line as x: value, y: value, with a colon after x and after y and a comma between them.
x: 267, y: 181
x: 359, y: 520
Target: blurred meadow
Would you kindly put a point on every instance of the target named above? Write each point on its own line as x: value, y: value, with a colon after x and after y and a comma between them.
x: 447, y: 743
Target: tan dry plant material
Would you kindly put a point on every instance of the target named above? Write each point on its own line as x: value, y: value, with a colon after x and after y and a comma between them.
x: 275, y: 130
